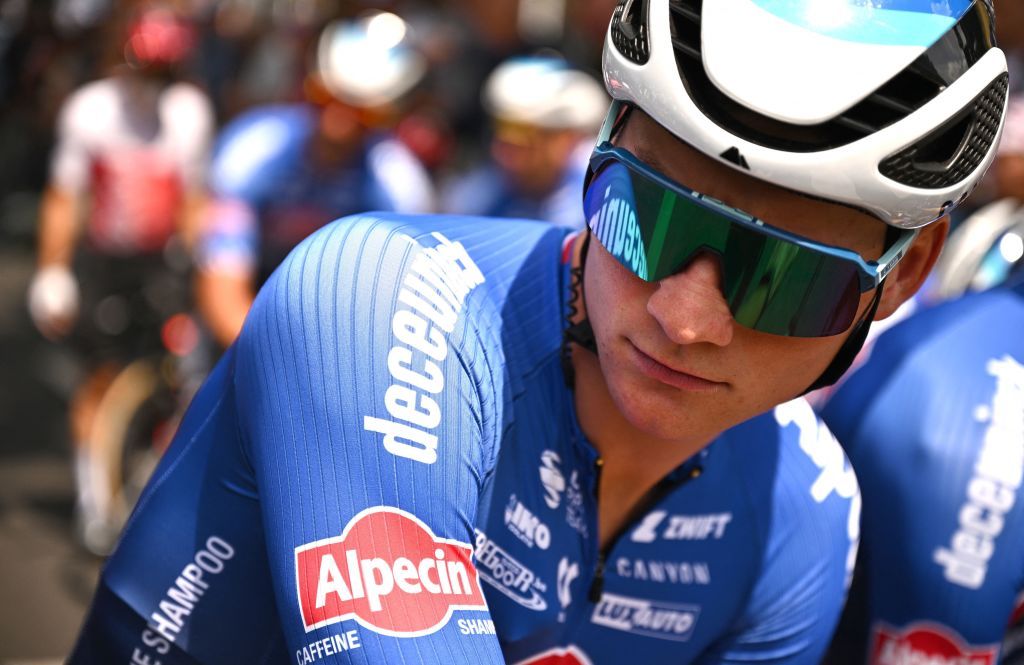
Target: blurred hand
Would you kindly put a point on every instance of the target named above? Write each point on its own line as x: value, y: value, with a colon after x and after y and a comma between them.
x: 53, y: 301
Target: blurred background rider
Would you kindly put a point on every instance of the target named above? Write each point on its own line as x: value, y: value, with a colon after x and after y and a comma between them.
x: 125, y: 185
x: 545, y: 115
x: 280, y: 172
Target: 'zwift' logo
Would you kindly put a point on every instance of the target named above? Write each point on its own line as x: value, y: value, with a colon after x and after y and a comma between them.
x: 388, y: 571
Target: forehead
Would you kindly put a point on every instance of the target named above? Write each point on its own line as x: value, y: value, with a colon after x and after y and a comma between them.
x: 812, y: 218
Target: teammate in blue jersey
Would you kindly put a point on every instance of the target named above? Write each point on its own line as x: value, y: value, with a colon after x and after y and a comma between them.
x: 934, y: 426
x: 446, y: 440
x: 545, y: 115
x: 281, y: 172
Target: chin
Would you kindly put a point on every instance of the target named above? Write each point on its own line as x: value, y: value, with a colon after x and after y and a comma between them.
x: 669, y: 414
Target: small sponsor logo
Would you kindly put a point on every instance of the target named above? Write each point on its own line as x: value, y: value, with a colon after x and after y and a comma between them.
x: 673, y: 572
x: 616, y: 228
x: 389, y: 572
x: 567, y: 572
x: 503, y: 572
x: 570, y: 655
x: 663, y: 621
x: 526, y: 526
x: 926, y: 643
x: 551, y: 478
x: 171, y: 615
x: 328, y: 646
x: 992, y: 490
x: 476, y: 627
x: 680, y: 527
x: 575, y: 515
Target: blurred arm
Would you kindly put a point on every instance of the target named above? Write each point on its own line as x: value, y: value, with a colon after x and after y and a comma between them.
x: 58, y: 228
x: 224, y: 301
x: 227, y: 241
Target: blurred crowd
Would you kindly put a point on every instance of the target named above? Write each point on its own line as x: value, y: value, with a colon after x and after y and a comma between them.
x: 252, y: 52
x: 161, y: 157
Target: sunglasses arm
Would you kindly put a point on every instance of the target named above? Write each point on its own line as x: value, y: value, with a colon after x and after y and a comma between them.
x: 890, y: 259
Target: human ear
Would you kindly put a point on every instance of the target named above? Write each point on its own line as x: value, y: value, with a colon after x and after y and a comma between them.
x: 910, y: 273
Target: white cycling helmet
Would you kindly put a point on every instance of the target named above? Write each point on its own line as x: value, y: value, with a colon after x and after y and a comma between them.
x: 894, y: 107
x: 545, y: 92
x: 368, y: 62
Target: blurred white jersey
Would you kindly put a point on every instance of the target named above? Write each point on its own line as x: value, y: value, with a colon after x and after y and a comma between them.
x: 136, y: 148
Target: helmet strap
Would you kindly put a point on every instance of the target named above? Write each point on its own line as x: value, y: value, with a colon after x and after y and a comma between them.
x: 851, y: 347
x: 581, y: 332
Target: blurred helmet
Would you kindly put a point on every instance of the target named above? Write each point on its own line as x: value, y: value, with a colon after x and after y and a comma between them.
x: 368, y: 62
x: 1012, y: 142
x: 986, y: 249
x: 545, y: 92
x: 892, y: 106
x: 159, y: 36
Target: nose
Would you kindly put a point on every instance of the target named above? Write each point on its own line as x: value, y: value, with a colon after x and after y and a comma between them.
x: 690, y: 307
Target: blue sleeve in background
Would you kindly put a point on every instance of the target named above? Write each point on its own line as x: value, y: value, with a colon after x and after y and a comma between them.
x: 933, y: 426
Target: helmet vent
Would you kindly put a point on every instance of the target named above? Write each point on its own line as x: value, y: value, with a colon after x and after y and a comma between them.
x: 686, y: 28
x: 944, y: 62
x: 952, y: 152
x: 629, y: 30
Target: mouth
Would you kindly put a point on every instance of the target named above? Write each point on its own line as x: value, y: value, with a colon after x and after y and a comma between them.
x: 671, y: 376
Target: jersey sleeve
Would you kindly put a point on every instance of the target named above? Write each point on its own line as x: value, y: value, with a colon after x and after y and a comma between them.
x: 190, y: 113
x: 229, y: 240
x: 937, y: 445
x: 368, y: 413
x: 247, y: 162
x: 811, y: 543
x: 69, y: 164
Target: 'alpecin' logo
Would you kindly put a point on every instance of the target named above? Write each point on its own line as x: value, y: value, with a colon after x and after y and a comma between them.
x: 389, y: 572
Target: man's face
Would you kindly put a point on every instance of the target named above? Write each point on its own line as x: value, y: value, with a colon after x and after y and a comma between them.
x: 674, y: 360
x: 533, y: 159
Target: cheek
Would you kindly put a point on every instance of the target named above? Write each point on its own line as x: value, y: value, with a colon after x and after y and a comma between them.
x: 613, y: 295
x: 784, y: 367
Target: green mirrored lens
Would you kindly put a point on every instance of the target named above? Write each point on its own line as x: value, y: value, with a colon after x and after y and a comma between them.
x: 770, y: 284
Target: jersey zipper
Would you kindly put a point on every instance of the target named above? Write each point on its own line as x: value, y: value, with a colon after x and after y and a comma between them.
x: 665, y: 486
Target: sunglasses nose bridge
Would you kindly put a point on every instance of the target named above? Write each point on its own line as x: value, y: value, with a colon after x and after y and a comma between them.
x: 703, y: 253
x: 690, y: 305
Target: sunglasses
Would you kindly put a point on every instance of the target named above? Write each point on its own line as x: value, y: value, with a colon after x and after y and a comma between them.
x: 773, y: 281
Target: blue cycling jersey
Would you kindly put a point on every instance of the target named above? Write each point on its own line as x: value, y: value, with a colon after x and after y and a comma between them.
x: 934, y: 426
x: 387, y: 467
x: 270, y: 188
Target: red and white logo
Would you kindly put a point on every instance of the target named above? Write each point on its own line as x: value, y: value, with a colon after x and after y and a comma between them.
x: 389, y: 572
x: 926, y: 643
x: 571, y: 655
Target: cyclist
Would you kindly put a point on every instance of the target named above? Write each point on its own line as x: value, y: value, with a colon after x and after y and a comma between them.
x: 410, y: 456
x: 544, y: 116
x: 938, y: 447
x: 283, y: 171
x: 129, y: 162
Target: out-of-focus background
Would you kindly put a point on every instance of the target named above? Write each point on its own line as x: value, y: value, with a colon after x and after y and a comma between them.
x: 75, y: 155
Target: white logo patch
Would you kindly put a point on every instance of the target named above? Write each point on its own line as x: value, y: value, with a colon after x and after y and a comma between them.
x: 503, y: 572
x: 526, y: 526
x: 663, y: 621
x: 552, y: 479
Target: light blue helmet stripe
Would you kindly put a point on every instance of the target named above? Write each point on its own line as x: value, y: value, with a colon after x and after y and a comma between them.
x: 883, y: 22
